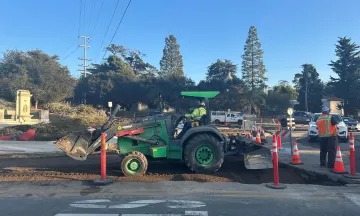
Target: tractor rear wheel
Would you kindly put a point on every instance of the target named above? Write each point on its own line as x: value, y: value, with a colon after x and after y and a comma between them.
x: 134, y: 163
x: 204, y: 154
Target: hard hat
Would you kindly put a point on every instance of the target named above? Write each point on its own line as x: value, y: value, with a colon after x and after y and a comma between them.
x: 201, y: 103
x: 325, y: 109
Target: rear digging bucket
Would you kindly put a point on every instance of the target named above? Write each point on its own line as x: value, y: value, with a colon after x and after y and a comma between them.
x: 260, y: 158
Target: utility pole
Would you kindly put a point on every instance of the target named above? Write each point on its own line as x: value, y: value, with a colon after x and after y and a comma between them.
x: 84, y: 65
x: 307, y: 75
x: 306, y: 95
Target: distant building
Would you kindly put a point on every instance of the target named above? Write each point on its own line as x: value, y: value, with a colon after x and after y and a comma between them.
x: 333, y: 103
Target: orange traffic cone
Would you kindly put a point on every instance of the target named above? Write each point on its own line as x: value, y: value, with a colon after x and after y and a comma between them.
x: 258, y: 139
x: 339, y: 164
x: 295, y: 156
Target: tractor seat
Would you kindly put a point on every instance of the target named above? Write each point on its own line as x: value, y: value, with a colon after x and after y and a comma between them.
x: 202, y: 120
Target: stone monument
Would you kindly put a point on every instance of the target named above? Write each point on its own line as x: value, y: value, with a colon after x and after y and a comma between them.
x: 22, y: 112
x: 23, y: 105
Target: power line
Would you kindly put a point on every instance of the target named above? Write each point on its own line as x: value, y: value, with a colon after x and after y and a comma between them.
x: 91, y: 13
x: 71, y: 53
x: 70, y: 47
x: 80, y: 18
x: 118, y: 26
x: 112, y: 17
x: 79, y: 28
x: 84, y: 24
x: 98, y: 16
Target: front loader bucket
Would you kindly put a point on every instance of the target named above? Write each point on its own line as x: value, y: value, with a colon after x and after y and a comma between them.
x: 75, y: 145
x: 259, y: 158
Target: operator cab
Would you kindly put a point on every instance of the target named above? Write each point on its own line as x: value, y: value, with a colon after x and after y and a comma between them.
x: 205, y: 119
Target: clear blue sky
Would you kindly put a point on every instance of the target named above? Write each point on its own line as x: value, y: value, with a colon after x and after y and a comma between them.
x: 291, y: 32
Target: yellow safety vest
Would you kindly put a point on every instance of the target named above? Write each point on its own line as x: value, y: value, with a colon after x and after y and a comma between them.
x: 196, y: 114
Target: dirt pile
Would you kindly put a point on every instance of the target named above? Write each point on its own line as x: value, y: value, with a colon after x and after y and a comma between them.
x: 67, y: 169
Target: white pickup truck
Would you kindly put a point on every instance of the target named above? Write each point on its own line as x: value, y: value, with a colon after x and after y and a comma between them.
x: 221, y: 117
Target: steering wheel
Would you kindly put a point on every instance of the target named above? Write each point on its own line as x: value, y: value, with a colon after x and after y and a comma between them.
x: 176, y: 118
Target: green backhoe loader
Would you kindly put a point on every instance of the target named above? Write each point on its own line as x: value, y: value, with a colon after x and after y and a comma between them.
x: 202, y: 147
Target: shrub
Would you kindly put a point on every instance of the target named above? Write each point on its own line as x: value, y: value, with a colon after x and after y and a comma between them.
x: 7, y: 105
x: 58, y: 108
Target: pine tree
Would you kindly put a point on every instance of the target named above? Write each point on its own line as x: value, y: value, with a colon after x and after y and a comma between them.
x: 171, y: 64
x: 309, y: 78
x: 253, y: 68
x: 221, y: 70
x: 347, y: 69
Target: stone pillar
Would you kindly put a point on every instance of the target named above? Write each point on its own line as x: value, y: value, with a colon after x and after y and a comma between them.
x: 23, y: 106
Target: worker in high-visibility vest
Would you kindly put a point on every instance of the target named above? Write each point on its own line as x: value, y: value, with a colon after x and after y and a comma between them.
x: 191, y: 117
x: 328, y: 135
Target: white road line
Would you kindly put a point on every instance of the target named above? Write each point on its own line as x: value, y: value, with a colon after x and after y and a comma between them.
x: 355, y: 198
x: 196, y: 213
x: 70, y: 214
x: 187, y: 202
x: 88, y: 206
x: 186, y: 206
x: 128, y: 206
x: 148, y: 201
x: 91, y: 204
x: 151, y: 215
x: 92, y: 201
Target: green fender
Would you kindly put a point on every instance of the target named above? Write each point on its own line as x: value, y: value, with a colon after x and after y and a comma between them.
x: 200, y: 130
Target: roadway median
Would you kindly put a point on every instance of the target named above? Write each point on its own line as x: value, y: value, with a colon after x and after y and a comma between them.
x: 22, y: 149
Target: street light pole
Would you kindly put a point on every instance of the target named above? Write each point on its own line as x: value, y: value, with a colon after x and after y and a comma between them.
x: 306, y: 91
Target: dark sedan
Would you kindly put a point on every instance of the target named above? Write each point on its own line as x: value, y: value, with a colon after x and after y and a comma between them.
x: 352, y: 124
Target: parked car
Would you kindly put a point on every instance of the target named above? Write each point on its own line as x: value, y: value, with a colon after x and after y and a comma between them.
x: 313, y: 130
x: 352, y: 124
x: 221, y: 117
x: 301, y: 117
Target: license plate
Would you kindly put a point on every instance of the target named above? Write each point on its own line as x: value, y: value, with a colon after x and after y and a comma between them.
x: 353, y: 127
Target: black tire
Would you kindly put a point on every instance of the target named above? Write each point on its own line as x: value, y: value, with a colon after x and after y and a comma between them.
x: 137, y: 157
x: 240, y: 122
x: 194, y: 144
x: 217, y: 121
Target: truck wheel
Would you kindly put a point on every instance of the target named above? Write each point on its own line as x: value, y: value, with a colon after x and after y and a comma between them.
x: 217, y: 121
x: 204, y: 154
x: 240, y: 122
x: 134, y: 163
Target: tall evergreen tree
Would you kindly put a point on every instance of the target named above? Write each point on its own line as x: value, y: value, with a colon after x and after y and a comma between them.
x: 315, y: 88
x: 221, y: 70
x: 171, y: 64
x: 253, y: 68
x: 347, y: 68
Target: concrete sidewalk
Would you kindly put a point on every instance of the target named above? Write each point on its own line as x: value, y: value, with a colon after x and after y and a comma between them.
x: 28, y: 147
x: 310, y: 157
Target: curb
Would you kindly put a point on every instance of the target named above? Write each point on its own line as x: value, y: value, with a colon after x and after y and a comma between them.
x: 313, y: 175
x: 318, y: 176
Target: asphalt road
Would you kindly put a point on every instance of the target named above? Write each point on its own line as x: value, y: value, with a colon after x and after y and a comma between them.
x: 65, y: 168
x: 175, y: 199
